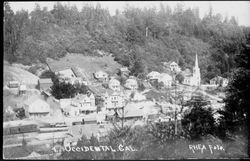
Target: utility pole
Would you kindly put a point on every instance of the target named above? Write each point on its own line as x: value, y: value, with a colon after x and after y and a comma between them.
x: 53, y: 146
x: 175, y: 105
x: 122, y: 116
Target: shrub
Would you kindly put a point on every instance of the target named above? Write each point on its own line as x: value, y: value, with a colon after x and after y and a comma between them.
x: 199, y: 122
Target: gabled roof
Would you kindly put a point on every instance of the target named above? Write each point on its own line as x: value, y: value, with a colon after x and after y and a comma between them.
x: 45, y: 80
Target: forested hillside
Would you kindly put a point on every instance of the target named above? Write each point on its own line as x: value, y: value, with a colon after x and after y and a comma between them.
x: 138, y: 38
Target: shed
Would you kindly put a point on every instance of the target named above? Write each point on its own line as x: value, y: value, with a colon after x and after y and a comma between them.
x: 44, y: 83
x: 13, y: 84
x: 37, y: 108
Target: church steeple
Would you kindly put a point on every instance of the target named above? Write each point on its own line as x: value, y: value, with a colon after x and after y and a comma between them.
x: 196, y: 73
x: 196, y: 62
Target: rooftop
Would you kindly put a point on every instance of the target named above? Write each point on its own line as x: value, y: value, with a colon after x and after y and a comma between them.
x: 133, y: 109
x: 55, y: 67
x: 45, y: 80
x: 39, y: 106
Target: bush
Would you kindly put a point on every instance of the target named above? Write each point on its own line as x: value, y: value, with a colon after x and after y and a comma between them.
x: 33, y: 69
x: 47, y: 74
x: 180, y: 77
x: 199, y: 122
x: 63, y: 90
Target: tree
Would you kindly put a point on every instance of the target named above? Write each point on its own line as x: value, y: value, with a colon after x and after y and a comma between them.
x: 137, y: 63
x: 199, y: 121
x: 235, y: 115
x: 179, y: 77
x: 81, y: 88
x: 63, y: 90
x: 163, y: 132
x: 10, y: 44
x: 20, y: 113
x: 47, y: 74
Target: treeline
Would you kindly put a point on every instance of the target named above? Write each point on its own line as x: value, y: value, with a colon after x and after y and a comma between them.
x: 138, y: 38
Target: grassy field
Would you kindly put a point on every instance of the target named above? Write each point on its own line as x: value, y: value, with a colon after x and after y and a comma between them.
x: 21, y: 75
x: 88, y: 64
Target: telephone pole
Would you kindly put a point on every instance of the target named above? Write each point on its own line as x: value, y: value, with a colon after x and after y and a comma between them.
x: 122, y: 116
x: 175, y: 113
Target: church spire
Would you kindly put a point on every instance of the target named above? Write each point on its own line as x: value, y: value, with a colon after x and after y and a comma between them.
x: 196, y: 62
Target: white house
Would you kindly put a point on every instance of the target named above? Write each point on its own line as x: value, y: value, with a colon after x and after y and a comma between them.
x: 101, y: 75
x: 166, y: 79
x: 153, y: 75
x: 37, y: 108
x: 174, y: 67
x: 138, y: 110
x: 113, y: 100
x: 131, y: 83
x: 219, y: 81
x: 44, y: 84
x: 114, y: 84
x: 81, y: 104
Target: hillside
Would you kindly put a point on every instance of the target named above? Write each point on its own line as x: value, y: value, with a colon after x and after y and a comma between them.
x: 21, y: 75
x: 87, y: 65
x: 138, y: 38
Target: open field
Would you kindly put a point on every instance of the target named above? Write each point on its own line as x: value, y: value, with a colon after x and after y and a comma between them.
x: 88, y: 64
x: 21, y: 75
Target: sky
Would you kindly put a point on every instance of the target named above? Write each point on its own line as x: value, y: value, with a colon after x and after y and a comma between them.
x: 239, y: 9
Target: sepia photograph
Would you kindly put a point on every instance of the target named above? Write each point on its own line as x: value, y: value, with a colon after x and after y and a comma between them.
x: 126, y: 80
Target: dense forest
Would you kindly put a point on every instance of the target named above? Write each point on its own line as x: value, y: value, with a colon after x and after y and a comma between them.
x: 138, y: 38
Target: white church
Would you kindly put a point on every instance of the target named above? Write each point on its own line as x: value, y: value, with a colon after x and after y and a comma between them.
x: 195, y: 78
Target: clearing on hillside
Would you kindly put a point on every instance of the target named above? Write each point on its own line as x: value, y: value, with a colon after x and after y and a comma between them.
x: 14, y: 73
x: 87, y: 64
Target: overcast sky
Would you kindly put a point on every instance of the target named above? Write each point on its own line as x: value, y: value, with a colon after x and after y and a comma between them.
x: 239, y: 9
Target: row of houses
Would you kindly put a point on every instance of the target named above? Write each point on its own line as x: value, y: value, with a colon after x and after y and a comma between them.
x: 165, y: 78
x: 190, y: 78
x: 81, y: 104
